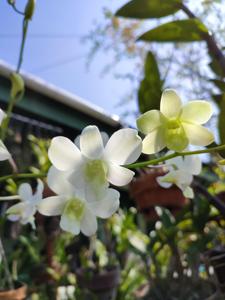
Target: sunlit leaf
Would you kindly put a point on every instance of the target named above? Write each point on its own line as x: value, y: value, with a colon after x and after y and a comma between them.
x: 219, y: 83
x: 144, y: 9
x: 191, y: 30
x: 150, y: 90
x: 221, y: 120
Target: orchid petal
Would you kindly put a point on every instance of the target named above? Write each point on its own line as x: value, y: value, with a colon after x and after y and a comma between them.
x: 64, y: 154
x: 119, y: 176
x: 15, y: 212
x: 163, y: 183
x: 58, y: 181
x: 192, y: 164
x: 123, y: 147
x: 52, y: 206
x: 2, y: 115
x: 149, y: 121
x: 198, y: 112
x: 88, y: 223
x: 4, y: 153
x: 106, y: 207
x: 154, y: 142
x: 170, y: 105
x: 188, y: 192
x: 25, y: 192
x: 91, y: 144
x: 198, y: 135
x: 71, y: 225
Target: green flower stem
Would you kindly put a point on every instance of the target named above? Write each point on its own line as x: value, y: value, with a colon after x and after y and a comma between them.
x: 6, y: 267
x: 10, y: 198
x: 156, y: 161
x: 25, y: 28
x: 12, y: 100
x: 22, y: 176
x: 17, y: 10
x: 6, y: 121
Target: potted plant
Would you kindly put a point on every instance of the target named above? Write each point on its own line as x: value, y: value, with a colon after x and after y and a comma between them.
x: 147, y: 193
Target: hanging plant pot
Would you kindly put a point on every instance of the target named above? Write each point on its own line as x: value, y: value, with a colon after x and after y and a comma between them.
x: 102, y: 285
x: 147, y: 194
x: 19, y: 293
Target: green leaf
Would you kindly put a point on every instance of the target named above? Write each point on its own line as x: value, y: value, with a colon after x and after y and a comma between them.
x: 190, y: 30
x: 219, y: 83
x: 221, y: 121
x: 150, y: 90
x: 146, y: 9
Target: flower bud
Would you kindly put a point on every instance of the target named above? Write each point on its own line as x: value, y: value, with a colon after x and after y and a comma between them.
x: 11, y: 2
x: 17, y: 86
x: 29, y: 10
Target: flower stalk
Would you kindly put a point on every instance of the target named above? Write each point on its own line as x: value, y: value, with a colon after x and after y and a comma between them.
x: 6, y: 266
x: 159, y: 160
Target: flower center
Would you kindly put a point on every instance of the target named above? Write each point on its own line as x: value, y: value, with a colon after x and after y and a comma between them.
x: 96, y: 171
x: 173, y: 124
x: 75, y: 209
x: 175, y: 135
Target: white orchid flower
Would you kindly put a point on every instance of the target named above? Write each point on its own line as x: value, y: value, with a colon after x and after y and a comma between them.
x: 175, y: 126
x: 4, y: 153
x: 26, y: 209
x: 181, y: 171
x: 77, y: 212
x: 94, y: 165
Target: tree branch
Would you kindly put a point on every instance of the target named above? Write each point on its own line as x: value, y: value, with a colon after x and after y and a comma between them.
x: 213, y: 48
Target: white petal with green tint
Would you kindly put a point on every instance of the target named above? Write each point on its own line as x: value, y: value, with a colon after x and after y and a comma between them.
x: 71, y: 225
x: 170, y: 105
x: 192, y: 164
x: 2, y: 116
x: 198, y: 135
x: 91, y: 144
x: 104, y: 208
x: 4, y: 153
x: 198, y: 112
x: 154, y: 142
x: 52, y: 206
x: 149, y: 121
x: 15, y: 212
x: 25, y: 192
x: 123, y: 147
x: 58, y: 181
x: 88, y: 224
x: 63, y: 154
x: 175, y: 137
x: 163, y: 182
x: 188, y: 192
x: 119, y: 176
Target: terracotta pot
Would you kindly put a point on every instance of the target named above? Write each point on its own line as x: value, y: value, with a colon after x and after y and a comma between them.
x: 19, y: 293
x: 147, y: 194
x: 101, y: 286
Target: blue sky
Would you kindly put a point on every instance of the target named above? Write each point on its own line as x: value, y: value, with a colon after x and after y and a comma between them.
x: 67, y: 55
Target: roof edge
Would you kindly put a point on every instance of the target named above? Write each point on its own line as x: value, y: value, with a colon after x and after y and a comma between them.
x: 41, y: 86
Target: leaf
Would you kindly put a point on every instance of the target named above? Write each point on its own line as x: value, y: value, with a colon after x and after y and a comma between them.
x: 146, y: 9
x: 221, y: 121
x: 190, y: 30
x: 150, y: 90
x: 219, y: 83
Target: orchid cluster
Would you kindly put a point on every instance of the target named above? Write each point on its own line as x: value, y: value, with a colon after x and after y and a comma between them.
x: 84, y: 173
